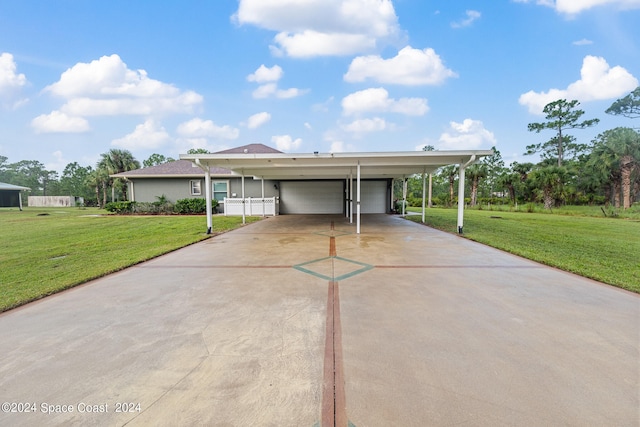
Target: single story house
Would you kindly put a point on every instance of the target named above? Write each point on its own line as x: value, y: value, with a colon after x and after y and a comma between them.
x: 305, y: 183
x: 10, y: 195
x: 182, y: 179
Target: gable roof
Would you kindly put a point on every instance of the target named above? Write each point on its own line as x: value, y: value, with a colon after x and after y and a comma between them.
x: 250, y: 149
x: 186, y: 169
x: 5, y: 186
x: 175, y: 169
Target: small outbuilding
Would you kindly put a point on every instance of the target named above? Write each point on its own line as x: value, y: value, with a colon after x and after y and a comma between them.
x: 10, y: 195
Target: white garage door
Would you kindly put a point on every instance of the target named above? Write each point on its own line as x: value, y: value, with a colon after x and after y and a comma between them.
x: 373, y: 197
x: 311, y: 197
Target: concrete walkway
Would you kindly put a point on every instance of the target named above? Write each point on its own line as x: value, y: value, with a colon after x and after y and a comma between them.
x: 298, y: 321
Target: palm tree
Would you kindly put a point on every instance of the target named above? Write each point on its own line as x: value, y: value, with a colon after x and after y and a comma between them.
x: 509, y: 180
x: 549, y: 180
x: 98, y: 179
x: 474, y: 174
x: 117, y: 161
x: 450, y: 173
x: 616, y: 152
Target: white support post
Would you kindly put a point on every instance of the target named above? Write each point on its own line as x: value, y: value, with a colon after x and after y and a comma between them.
x: 404, y: 195
x: 461, y: 197
x: 358, y: 201
x: 208, y: 194
x: 430, y: 190
x: 463, y: 167
x: 244, y: 214
x: 424, y: 188
x: 346, y: 197
x: 263, y: 201
x: 392, y: 200
x: 351, y: 197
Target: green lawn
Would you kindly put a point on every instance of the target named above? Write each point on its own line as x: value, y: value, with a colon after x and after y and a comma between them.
x: 43, y: 251
x: 604, y: 249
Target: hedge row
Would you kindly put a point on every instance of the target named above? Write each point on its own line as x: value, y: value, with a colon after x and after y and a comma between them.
x: 181, y: 207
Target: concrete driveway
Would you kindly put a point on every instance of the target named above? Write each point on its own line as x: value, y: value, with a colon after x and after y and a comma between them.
x: 298, y: 321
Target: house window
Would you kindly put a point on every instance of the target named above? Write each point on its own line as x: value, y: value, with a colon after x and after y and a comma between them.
x: 196, y: 189
x: 220, y: 190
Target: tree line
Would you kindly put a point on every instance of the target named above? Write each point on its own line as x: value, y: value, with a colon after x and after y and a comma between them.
x: 93, y: 184
x: 604, y: 171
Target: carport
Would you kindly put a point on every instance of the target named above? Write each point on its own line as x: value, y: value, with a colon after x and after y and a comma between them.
x: 351, y: 167
x: 10, y: 195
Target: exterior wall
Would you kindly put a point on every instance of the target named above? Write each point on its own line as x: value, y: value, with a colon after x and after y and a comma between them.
x: 253, y: 188
x: 149, y: 189
x: 9, y: 198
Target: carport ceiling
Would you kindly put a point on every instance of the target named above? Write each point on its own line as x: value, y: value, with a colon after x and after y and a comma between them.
x: 283, y: 166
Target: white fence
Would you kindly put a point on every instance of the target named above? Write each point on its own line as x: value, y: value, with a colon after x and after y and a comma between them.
x: 54, y: 201
x: 253, y: 206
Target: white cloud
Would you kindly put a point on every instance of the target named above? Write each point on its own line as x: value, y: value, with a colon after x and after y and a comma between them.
x: 598, y: 81
x: 258, y: 120
x: 377, y: 100
x: 59, y: 162
x: 198, y: 128
x: 264, y: 74
x: 468, y: 135
x: 59, y: 122
x: 312, y: 43
x: 147, y: 135
x: 107, y: 87
x: 286, y: 142
x: 582, y: 42
x: 322, y: 27
x: 409, y: 67
x: 308, y: 125
x: 271, y: 89
x: 9, y: 79
x: 10, y: 82
x: 265, y: 91
x: 366, y: 125
x: 472, y: 15
x: 290, y: 93
x: 182, y: 145
x: 574, y: 7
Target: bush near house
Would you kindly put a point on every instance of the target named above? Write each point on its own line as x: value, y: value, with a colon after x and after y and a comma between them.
x: 161, y: 207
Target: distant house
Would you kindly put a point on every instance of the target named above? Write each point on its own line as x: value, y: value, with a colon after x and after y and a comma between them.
x: 182, y: 179
x: 10, y: 195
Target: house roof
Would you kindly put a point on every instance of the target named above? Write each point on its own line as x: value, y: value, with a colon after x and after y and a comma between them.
x: 250, y: 149
x: 5, y: 186
x: 186, y: 169
x: 175, y: 169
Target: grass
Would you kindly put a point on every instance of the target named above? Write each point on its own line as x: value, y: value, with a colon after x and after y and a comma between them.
x: 594, y: 211
x: 604, y: 249
x: 43, y: 251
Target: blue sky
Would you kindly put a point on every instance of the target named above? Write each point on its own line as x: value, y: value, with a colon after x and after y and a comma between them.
x: 78, y: 78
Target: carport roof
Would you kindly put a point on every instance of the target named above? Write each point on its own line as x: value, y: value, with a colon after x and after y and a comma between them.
x: 5, y: 186
x: 334, y: 165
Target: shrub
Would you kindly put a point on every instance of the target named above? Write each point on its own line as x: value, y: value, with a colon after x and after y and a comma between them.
x: 153, y: 208
x: 193, y: 206
x: 120, y: 207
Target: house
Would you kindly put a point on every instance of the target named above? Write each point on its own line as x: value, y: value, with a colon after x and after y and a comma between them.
x: 303, y: 183
x: 10, y: 195
x: 294, y: 195
x: 182, y: 179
